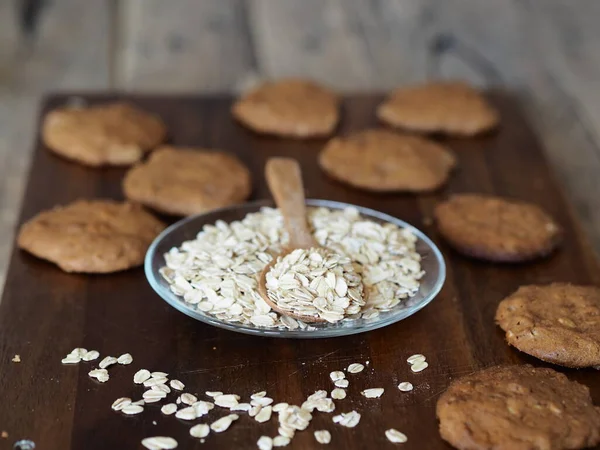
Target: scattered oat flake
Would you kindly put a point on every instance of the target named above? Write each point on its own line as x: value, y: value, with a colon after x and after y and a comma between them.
x: 4, y: 434
x: 349, y: 419
x: 261, y: 401
x: 159, y: 443
x: 200, y: 431
x: 71, y: 359
x: 168, y: 409
x: 141, y: 376
x: 91, y: 355
x: 223, y: 423
x: 343, y: 383
x: 241, y: 407
x: 202, y: 407
x: 280, y: 441
x: 337, y: 375
x: 161, y: 387
x: 373, y: 392
x: 120, y: 403
x: 264, y: 414
x: 415, y: 358
x: 177, y: 385
x: 79, y: 351
x: 317, y: 395
x: 213, y: 393
x: 395, y: 436
x: 264, y: 443
x: 159, y: 374
x: 16, y: 359
x: 188, y: 413
x: 280, y: 407
x: 254, y: 410
x: 154, y: 381
x: 153, y: 396
x: 132, y: 409
x: 108, y: 361
x: 355, y: 368
x: 258, y: 395
x: 286, y: 431
x: 99, y: 374
x: 419, y: 367
x: 323, y: 436
x: 405, y: 386
x: 226, y: 400
x: 338, y: 394
x: 188, y: 399
x: 125, y: 359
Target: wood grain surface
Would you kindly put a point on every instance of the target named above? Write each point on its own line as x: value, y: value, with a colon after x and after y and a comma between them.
x: 45, y: 313
x: 545, y: 51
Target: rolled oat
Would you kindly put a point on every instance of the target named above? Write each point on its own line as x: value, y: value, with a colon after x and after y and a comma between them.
x: 317, y: 283
x: 323, y: 436
x: 217, y: 273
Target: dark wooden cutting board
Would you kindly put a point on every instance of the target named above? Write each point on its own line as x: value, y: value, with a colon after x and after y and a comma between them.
x: 45, y: 313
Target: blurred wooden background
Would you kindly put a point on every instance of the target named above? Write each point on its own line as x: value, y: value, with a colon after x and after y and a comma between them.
x: 546, y: 52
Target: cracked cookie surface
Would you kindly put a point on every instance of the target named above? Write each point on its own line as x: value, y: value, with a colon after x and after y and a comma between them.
x: 450, y: 107
x: 289, y: 107
x: 95, y: 236
x: 111, y: 134
x: 518, y: 408
x: 557, y: 323
x: 384, y: 161
x: 496, y: 229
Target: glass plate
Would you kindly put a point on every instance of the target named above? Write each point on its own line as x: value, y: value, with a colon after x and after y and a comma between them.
x: 187, y: 229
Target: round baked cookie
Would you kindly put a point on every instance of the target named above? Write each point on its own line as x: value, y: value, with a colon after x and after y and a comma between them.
x: 558, y: 323
x: 451, y: 107
x: 385, y: 161
x: 496, y: 229
x: 518, y: 408
x: 95, y: 236
x: 187, y: 181
x: 290, y: 107
x: 116, y: 134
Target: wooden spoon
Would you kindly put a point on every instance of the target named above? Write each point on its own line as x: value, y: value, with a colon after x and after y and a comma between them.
x: 285, y: 182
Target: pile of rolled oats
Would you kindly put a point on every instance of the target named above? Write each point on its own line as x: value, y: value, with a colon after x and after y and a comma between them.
x: 217, y: 273
x: 188, y: 407
x: 317, y: 283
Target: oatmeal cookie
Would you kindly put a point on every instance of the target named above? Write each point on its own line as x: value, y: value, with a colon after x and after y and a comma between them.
x: 385, y: 161
x: 95, y: 236
x: 290, y: 107
x: 116, y: 134
x: 558, y: 323
x: 187, y: 181
x: 518, y: 408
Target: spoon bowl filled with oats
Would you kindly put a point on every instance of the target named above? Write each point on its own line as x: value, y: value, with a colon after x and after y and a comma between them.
x: 208, y: 267
x: 305, y: 281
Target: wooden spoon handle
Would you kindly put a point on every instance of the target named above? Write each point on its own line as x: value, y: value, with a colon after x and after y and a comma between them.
x: 285, y: 182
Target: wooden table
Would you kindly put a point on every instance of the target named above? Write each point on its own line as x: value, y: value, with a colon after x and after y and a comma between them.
x: 45, y: 313
x: 545, y: 51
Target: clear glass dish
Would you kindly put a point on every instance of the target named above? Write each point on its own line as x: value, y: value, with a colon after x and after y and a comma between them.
x: 431, y: 283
